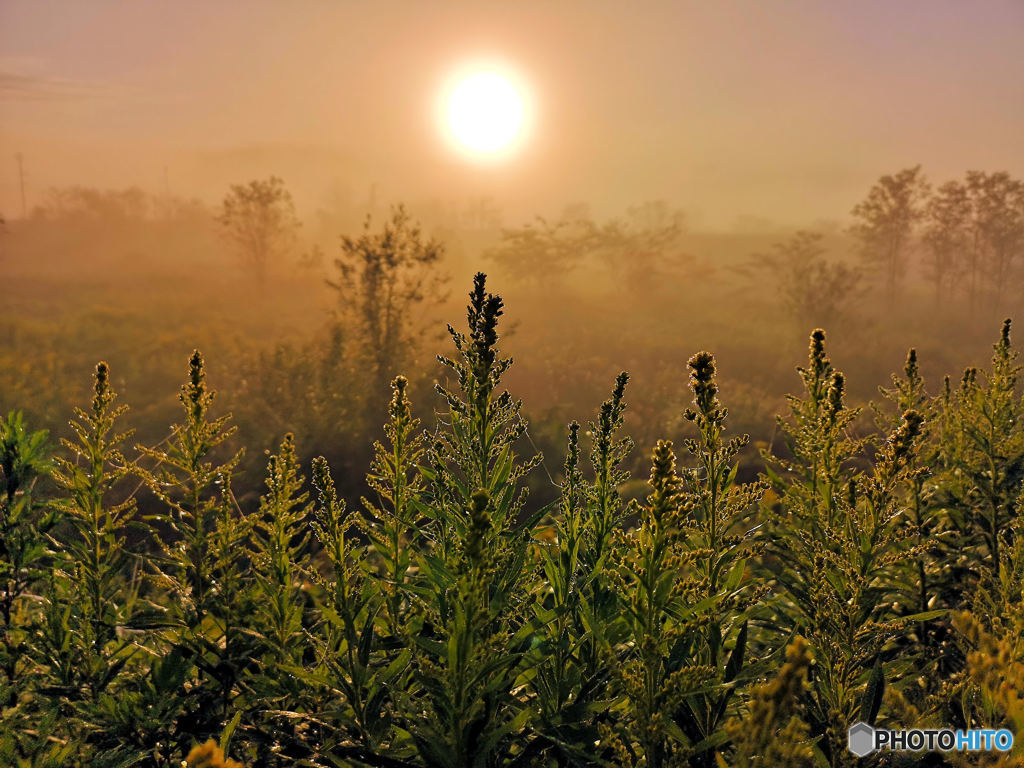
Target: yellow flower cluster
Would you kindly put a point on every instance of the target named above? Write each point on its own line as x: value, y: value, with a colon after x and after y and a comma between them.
x: 209, y: 755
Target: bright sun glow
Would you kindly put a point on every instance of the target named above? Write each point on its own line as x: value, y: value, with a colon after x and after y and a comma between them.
x: 485, y: 112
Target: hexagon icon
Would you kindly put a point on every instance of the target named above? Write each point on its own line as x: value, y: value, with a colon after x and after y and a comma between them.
x: 861, y: 739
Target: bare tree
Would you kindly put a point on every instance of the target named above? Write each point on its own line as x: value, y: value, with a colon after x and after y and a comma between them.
x: 886, y: 220
x: 259, y: 218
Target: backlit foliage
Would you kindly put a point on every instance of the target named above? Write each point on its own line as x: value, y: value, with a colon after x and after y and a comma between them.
x: 741, y: 615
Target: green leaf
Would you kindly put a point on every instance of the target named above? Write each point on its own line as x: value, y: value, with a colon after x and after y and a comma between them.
x: 735, y: 575
x: 735, y: 663
x: 229, y: 729
x: 714, y: 740
x: 926, y: 615
x: 152, y: 619
x: 366, y: 638
x: 871, y: 702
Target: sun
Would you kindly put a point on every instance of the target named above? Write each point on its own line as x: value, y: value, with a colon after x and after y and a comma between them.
x: 485, y: 112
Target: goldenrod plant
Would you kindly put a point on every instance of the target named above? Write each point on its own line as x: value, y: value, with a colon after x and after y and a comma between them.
x: 398, y: 486
x: 209, y: 755
x: 841, y: 544
x: 351, y: 675
x: 993, y: 686
x: 196, y: 565
x: 276, y: 632
x: 742, y: 615
x: 687, y: 593
x: 473, y: 592
x: 25, y: 522
x: 984, y: 462
x: 770, y: 732
x: 573, y: 659
x: 908, y: 393
x: 93, y: 610
x: 990, y: 686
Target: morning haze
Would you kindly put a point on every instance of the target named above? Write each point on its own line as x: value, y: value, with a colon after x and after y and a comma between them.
x: 639, y: 181
x: 510, y: 385
x: 782, y: 111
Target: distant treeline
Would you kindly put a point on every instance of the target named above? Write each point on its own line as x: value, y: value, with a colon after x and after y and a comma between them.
x: 306, y: 318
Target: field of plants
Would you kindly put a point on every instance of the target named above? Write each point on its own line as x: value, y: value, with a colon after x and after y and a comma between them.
x: 511, y: 385
x: 717, y: 618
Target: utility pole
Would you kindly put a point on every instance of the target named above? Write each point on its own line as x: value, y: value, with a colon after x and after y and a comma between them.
x: 21, y: 182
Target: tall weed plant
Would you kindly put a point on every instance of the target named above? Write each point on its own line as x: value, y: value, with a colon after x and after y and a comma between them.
x: 447, y: 620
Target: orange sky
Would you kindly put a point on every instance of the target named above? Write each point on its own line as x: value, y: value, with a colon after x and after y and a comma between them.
x: 782, y: 110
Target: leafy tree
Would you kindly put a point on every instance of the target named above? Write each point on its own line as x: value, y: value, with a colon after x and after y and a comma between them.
x: 947, y: 237
x: 103, y: 207
x: 638, y: 248
x: 387, y: 284
x: 643, y: 246
x: 544, y: 252
x: 815, y: 291
x: 482, y: 213
x: 259, y: 219
x: 998, y: 210
x: 886, y: 220
x: 975, y: 228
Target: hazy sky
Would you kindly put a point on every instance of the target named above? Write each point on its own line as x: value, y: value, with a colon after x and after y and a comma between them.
x: 784, y: 110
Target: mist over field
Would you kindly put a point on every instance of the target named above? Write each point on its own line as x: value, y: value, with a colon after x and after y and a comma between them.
x: 309, y: 196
